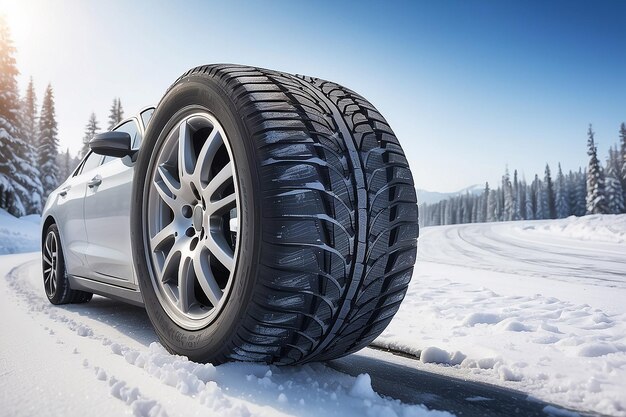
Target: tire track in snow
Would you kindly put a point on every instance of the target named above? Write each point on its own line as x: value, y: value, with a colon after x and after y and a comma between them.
x: 186, y: 388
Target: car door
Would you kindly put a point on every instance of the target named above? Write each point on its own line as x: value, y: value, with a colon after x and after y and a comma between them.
x: 70, y: 215
x: 107, y: 216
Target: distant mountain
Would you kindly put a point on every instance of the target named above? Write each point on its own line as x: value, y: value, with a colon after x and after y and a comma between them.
x: 431, y: 197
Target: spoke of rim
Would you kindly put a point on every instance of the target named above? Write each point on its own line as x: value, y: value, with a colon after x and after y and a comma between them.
x: 47, y: 246
x: 167, y: 183
x: 186, y: 155
x: 219, y: 180
x: 205, y: 157
x: 219, y: 248
x: 163, y: 235
x: 205, y: 276
x: 168, y: 263
x: 185, y: 284
x: 222, y: 205
x: 52, y: 283
x: 47, y: 271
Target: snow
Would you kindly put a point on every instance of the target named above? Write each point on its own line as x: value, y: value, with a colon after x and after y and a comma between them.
x: 537, y: 306
x: 598, y: 227
x: 104, y: 357
x: 18, y: 235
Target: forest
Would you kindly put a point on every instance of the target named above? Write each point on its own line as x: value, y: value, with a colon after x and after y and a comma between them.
x: 597, y: 189
x: 31, y: 163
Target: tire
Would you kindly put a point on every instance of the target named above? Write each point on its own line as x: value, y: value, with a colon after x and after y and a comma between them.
x: 56, y: 283
x: 328, y: 219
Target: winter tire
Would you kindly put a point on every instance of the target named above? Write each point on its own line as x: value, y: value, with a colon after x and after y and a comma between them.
x: 274, y: 218
x: 56, y: 284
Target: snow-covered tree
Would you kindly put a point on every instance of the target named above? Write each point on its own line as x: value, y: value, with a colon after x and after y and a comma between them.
x: 116, y: 114
x: 517, y: 198
x: 562, y: 195
x: 596, y: 197
x: 549, y: 194
x: 28, y: 177
x: 580, y: 208
x: 48, y: 144
x: 613, y: 189
x: 10, y: 142
x: 507, y: 189
x: 90, y: 131
x: 529, y: 212
x: 541, y: 205
x: 622, y: 158
x: 492, y: 214
x: 482, y: 214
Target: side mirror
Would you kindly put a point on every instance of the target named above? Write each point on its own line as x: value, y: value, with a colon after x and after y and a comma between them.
x: 116, y: 144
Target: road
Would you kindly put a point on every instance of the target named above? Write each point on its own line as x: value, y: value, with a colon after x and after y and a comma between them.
x: 50, y: 350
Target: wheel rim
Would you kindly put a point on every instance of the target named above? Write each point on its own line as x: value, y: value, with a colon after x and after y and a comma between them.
x: 50, y: 262
x: 192, y: 221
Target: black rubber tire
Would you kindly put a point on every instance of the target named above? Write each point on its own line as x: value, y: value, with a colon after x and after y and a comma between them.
x: 329, y: 217
x: 63, y: 293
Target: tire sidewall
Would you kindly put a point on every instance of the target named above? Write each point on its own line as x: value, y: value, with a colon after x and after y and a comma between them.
x: 62, y: 284
x: 190, y: 95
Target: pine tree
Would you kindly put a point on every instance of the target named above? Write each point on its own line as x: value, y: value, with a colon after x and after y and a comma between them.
x: 562, y: 195
x: 90, y: 131
x: 49, y: 143
x: 29, y: 115
x: 622, y: 158
x: 581, y: 193
x: 596, y: 197
x: 507, y: 189
x: 517, y: 199
x: 11, y: 145
x: 522, y: 199
x: 31, y: 188
x: 500, y: 204
x: 549, y: 194
x: 541, y: 206
x: 483, y: 206
x: 492, y: 215
x: 116, y: 113
x: 614, y: 192
x: 529, y: 210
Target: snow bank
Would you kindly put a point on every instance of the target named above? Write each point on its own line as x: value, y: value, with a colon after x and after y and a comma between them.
x: 114, y: 366
x: 535, y: 305
x: 18, y: 234
x: 599, y: 227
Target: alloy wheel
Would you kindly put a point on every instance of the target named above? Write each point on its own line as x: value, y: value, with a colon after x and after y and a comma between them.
x: 50, y: 261
x: 192, y: 220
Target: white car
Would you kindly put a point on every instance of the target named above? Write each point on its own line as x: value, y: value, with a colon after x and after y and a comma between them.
x: 257, y: 216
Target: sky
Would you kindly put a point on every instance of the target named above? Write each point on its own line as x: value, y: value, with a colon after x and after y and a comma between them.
x: 469, y: 87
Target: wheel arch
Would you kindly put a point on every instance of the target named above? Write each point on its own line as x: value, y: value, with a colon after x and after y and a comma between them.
x: 50, y: 220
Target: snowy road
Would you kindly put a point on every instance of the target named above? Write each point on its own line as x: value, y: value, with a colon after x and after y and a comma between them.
x: 521, y: 248
x: 101, y: 356
x: 535, y: 307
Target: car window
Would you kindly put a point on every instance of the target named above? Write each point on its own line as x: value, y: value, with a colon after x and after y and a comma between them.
x: 91, y: 162
x: 129, y: 127
x: 146, y: 115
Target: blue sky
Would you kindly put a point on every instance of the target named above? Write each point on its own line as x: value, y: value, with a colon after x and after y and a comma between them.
x: 468, y: 86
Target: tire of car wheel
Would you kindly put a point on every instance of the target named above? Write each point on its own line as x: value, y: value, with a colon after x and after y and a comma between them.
x: 56, y: 283
x: 328, y: 219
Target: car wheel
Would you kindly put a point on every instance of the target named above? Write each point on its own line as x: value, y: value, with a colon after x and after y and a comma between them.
x: 274, y: 218
x: 55, y: 281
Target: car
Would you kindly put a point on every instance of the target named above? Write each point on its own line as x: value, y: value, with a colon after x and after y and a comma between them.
x: 256, y: 215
